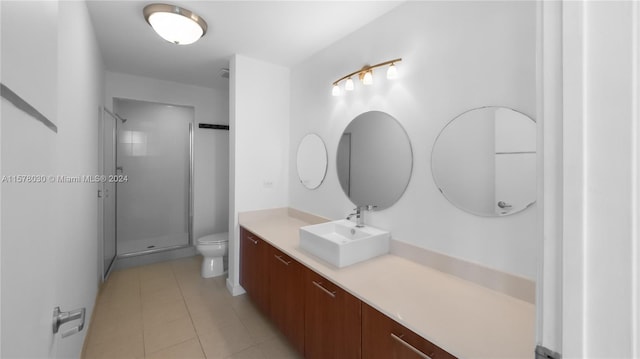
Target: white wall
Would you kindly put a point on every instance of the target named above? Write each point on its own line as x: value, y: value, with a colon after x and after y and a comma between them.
x: 0, y: 189
x: 601, y: 180
x: 549, y: 284
x: 456, y: 56
x: 49, y: 230
x: 259, y: 145
x: 80, y: 94
x: 211, y: 147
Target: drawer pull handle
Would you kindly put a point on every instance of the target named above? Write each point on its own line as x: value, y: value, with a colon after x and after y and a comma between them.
x: 282, y: 260
x: 409, y: 346
x: 252, y: 240
x: 319, y: 285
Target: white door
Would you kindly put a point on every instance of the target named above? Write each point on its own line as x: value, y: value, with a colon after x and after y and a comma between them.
x: 28, y: 219
x: 28, y: 209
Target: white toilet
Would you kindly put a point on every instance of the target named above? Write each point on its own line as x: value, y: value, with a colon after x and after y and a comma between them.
x: 213, y: 248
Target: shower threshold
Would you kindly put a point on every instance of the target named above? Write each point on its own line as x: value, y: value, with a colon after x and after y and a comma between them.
x: 153, y: 250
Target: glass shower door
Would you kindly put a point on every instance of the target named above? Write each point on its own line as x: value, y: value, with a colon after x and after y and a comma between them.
x: 153, y: 152
x: 109, y: 133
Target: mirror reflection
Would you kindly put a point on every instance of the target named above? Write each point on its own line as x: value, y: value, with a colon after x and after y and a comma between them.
x: 374, y: 160
x: 484, y: 161
x: 312, y: 161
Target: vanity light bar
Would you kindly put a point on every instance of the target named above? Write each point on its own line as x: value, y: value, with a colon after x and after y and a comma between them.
x: 365, y: 74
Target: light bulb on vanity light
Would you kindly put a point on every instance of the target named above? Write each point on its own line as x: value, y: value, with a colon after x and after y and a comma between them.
x: 348, y: 85
x: 367, y: 79
x: 392, y: 72
x: 335, y: 91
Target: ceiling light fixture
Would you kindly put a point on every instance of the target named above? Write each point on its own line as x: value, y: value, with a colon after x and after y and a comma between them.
x: 366, y: 76
x: 175, y: 24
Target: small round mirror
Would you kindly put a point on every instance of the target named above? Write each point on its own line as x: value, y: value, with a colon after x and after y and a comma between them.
x: 312, y: 161
x: 374, y: 160
x: 484, y: 161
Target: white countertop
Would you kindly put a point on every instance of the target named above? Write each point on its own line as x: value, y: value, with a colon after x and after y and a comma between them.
x: 461, y: 317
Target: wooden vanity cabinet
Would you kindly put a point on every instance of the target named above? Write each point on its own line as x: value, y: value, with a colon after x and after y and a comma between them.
x: 384, y: 338
x: 254, y: 263
x: 286, y: 296
x: 332, y: 320
x: 320, y: 319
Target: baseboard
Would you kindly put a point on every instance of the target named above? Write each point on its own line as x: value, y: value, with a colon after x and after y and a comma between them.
x: 234, y: 289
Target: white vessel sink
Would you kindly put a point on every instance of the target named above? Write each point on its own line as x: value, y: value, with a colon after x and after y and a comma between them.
x: 341, y: 243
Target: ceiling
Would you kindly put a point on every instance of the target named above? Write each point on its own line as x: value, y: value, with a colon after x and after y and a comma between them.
x: 279, y: 32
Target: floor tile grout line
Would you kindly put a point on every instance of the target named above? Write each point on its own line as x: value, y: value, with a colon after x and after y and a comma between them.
x: 240, y: 322
x: 169, y: 347
x: 184, y: 303
x: 193, y: 324
x: 144, y: 346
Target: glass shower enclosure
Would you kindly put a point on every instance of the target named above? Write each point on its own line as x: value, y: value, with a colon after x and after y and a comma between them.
x: 107, y: 192
x: 154, y: 168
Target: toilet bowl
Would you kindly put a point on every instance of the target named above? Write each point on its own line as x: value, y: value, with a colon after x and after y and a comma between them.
x: 213, y: 248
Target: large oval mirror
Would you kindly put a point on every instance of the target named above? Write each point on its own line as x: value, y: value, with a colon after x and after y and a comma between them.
x: 484, y: 161
x: 374, y: 160
x: 312, y: 161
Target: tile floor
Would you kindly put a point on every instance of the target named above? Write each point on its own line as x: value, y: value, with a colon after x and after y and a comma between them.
x: 166, y: 310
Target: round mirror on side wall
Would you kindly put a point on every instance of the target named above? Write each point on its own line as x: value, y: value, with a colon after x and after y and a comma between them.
x: 312, y: 161
x: 484, y: 161
x: 374, y: 160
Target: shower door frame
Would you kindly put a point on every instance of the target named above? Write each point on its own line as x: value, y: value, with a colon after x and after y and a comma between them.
x: 104, y: 273
x: 190, y: 175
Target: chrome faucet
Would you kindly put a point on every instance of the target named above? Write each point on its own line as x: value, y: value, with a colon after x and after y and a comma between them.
x: 359, y: 213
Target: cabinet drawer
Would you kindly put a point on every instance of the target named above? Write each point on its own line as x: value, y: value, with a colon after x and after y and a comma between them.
x: 384, y: 338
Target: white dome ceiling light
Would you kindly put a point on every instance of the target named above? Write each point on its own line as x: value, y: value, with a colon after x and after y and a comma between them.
x: 175, y: 24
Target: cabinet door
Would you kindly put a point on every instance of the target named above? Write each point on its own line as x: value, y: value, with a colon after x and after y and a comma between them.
x: 332, y: 320
x: 254, y: 274
x: 286, y: 289
x: 384, y: 338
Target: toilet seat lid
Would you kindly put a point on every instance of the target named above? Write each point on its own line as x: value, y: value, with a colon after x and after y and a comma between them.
x: 214, y: 238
